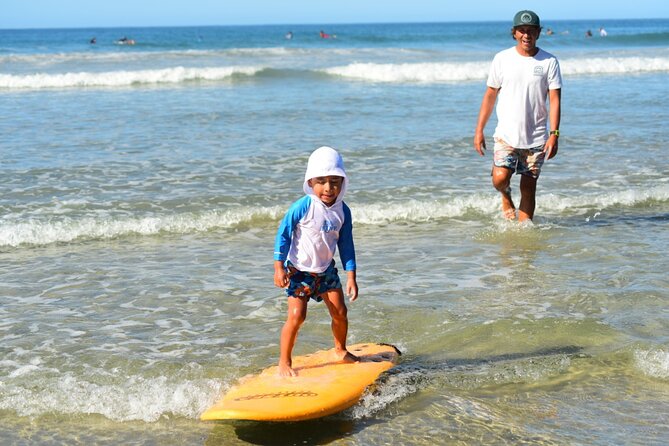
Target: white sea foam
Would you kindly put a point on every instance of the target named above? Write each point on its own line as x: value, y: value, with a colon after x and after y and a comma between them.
x: 174, y: 75
x: 465, y: 71
x: 102, y: 228
x: 413, y: 72
x: 392, y: 388
x: 68, y: 229
x: 136, y: 399
x: 426, y: 72
x: 488, y: 204
x: 614, y: 65
x: 423, y: 211
x: 627, y: 198
x: 654, y: 362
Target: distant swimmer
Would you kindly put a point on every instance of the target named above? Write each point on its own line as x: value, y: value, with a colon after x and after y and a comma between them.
x: 327, y: 36
x: 588, y: 33
x: 549, y: 32
x: 93, y: 41
x: 602, y: 32
x: 289, y: 35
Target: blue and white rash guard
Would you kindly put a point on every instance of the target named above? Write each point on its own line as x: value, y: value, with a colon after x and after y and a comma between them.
x: 310, y: 232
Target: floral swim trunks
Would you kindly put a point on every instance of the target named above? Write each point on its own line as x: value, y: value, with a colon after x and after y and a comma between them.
x: 311, y: 285
x: 522, y: 161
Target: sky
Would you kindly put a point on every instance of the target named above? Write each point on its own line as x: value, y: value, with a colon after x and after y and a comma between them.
x: 128, y: 13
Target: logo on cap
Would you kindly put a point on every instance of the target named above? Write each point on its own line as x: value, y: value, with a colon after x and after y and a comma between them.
x: 526, y: 17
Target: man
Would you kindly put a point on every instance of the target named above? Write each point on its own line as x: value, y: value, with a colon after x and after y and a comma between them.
x: 522, y: 77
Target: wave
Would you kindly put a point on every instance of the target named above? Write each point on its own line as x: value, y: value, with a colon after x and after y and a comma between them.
x: 144, y: 399
x: 70, y: 229
x: 413, y: 72
x: 614, y: 65
x: 28, y: 232
x: 46, y: 59
x: 137, y: 399
x: 422, y: 73
x: 415, y: 211
x: 33, y: 392
x: 124, y: 78
x: 466, y: 71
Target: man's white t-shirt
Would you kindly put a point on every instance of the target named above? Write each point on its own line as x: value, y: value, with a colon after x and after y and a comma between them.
x: 521, y: 103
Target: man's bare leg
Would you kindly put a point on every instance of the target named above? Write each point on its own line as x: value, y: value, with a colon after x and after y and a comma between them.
x: 501, y: 180
x: 528, y: 190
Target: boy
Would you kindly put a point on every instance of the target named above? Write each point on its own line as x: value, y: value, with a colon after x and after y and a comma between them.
x: 312, y: 229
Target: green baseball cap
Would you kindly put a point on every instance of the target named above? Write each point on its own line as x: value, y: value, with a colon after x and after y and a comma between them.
x: 526, y: 17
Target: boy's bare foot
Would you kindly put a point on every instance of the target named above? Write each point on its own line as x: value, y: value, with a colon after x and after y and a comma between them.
x: 346, y: 357
x: 286, y: 370
x: 508, y: 208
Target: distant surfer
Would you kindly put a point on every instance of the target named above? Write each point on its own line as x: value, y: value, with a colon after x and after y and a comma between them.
x: 314, y: 227
x: 125, y: 41
x: 325, y: 35
x: 522, y: 77
x: 289, y: 35
x: 93, y: 41
x: 602, y: 32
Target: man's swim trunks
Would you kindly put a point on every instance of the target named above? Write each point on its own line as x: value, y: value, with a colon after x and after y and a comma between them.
x: 312, y: 285
x: 522, y: 161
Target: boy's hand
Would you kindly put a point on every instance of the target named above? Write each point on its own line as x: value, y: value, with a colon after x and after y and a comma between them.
x: 352, y: 291
x: 280, y: 276
x: 351, y: 286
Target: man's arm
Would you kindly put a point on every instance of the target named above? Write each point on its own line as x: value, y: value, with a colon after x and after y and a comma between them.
x: 554, y: 113
x: 487, y: 105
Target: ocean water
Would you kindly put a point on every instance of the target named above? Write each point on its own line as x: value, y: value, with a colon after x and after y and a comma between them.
x: 142, y: 187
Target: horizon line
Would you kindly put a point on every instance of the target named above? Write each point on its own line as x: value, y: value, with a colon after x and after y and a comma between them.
x: 312, y: 24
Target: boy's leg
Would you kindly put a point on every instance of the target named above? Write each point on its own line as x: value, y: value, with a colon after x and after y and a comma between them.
x: 334, y: 300
x: 297, y: 313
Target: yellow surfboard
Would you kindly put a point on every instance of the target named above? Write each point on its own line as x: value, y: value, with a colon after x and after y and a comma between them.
x: 322, y: 387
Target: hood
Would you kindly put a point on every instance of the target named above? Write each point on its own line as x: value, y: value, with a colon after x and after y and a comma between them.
x: 323, y: 162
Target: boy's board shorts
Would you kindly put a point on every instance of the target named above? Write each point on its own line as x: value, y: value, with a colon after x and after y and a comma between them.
x: 521, y: 161
x: 311, y: 285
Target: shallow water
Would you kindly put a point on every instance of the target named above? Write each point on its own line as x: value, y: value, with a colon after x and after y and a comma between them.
x: 138, y: 212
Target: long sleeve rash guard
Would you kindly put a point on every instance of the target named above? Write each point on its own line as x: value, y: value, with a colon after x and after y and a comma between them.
x: 310, y: 233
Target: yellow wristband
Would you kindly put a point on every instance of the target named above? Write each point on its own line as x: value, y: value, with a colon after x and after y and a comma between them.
x: 554, y: 132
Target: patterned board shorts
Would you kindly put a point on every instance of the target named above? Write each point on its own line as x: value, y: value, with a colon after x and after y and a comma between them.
x: 311, y: 285
x: 521, y: 161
